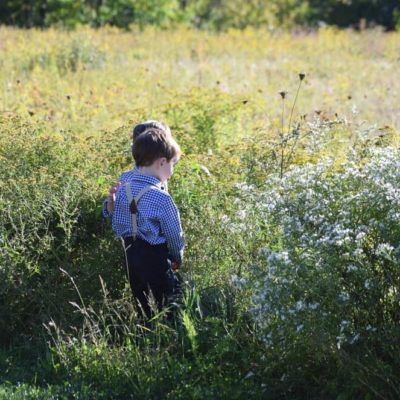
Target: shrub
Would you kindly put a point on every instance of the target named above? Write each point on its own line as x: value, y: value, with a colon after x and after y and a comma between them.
x: 49, y: 220
x: 326, y: 287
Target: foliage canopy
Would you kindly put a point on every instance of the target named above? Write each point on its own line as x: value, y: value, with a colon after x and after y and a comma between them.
x: 210, y: 14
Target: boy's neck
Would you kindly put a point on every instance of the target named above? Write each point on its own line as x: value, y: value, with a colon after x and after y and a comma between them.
x: 149, y: 171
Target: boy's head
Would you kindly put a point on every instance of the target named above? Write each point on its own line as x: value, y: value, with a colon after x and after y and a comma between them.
x: 151, y: 124
x: 158, y: 151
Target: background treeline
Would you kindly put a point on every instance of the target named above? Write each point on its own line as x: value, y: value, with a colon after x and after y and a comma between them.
x: 209, y: 14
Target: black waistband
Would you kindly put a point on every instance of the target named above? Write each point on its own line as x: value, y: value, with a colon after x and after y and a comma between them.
x: 140, y: 242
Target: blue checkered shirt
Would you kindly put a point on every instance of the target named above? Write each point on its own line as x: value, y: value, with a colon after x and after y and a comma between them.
x: 125, y: 177
x: 157, y: 217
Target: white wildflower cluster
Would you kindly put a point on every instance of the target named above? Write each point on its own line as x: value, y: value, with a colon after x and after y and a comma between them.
x: 242, y: 216
x: 319, y: 133
x: 346, y: 334
x: 339, y: 241
x: 238, y: 282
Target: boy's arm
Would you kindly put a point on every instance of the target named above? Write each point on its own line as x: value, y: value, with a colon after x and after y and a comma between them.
x: 109, y: 202
x: 172, y: 229
x: 121, y: 217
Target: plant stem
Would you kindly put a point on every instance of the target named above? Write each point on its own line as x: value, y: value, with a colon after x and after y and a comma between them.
x: 292, y: 148
x: 282, y: 137
x: 294, y: 104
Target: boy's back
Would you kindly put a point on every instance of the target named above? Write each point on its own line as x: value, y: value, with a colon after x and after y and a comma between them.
x: 126, y: 177
x: 158, y: 219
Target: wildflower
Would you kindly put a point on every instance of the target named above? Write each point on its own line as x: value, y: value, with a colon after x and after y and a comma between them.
x: 302, y: 75
x: 241, y: 214
x: 384, y: 249
x: 360, y: 236
x: 249, y: 375
x: 344, y: 296
x: 238, y: 282
x: 225, y: 219
x: 283, y: 94
x: 205, y: 170
x: 355, y: 338
x: 352, y: 268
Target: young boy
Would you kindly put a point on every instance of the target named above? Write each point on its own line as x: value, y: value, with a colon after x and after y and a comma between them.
x: 108, y: 204
x: 148, y: 221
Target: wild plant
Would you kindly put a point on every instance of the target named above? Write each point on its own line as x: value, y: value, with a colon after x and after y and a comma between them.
x: 288, y: 136
x: 326, y: 285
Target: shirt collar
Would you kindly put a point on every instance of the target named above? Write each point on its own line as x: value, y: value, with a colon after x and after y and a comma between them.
x: 151, y: 180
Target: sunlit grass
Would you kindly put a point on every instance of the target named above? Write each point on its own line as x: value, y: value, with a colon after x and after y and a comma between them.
x: 92, y: 80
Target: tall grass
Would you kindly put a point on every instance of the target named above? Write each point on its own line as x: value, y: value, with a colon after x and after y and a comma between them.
x: 68, y: 328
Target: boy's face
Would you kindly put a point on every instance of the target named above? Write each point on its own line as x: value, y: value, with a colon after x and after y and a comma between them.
x: 166, y: 168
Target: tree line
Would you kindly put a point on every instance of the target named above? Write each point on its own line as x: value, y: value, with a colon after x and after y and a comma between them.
x: 205, y: 14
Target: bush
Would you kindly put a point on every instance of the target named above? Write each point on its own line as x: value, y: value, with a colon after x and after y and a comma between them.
x: 325, y: 291
x: 49, y: 220
x: 216, y: 15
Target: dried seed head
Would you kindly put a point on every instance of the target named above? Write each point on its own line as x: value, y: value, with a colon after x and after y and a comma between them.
x: 283, y: 94
x: 302, y: 75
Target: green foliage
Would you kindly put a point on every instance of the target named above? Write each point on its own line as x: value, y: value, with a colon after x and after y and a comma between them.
x: 72, y: 13
x: 45, y: 202
x: 67, y: 322
x: 22, y: 13
x: 221, y: 15
x: 68, y: 13
x: 380, y: 12
x: 217, y: 15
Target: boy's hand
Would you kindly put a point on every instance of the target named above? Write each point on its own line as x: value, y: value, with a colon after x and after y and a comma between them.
x: 175, y: 266
x: 112, y: 195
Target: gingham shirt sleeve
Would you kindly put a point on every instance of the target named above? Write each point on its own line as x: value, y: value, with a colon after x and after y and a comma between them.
x: 171, y: 227
x: 121, y: 217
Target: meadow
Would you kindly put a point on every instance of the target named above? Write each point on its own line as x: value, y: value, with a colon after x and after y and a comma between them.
x: 289, y: 193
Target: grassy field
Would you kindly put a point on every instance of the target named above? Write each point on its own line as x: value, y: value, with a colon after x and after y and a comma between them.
x: 290, y: 214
